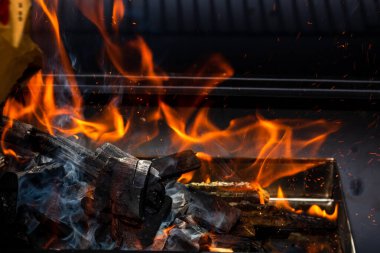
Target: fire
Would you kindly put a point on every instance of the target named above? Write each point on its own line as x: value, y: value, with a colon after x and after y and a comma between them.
x: 317, y: 211
x: 41, y: 106
x: 216, y: 249
x: 250, y: 136
x: 118, y: 13
x: 314, y: 210
x: 190, y: 128
x: 119, y: 53
x: 283, y: 203
x: 186, y: 178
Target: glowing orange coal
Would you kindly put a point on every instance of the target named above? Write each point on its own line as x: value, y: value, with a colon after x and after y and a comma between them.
x: 218, y: 249
x: 314, y: 210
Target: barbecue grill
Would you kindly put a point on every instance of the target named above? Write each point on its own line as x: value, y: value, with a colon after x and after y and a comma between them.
x: 303, y: 60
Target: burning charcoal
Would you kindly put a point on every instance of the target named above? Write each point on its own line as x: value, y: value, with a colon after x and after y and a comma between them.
x: 124, y: 182
x: 126, y: 186
x: 176, y: 164
x: 185, y: 236
x: 235, y: 243
x: 208, y: 210
x: 142, y: 235
x: 107, y: 151
x: 26, y: 136
x: 167, y: 167
x: 239, y: 194
x: 212, y: 212
x: 269, y: 219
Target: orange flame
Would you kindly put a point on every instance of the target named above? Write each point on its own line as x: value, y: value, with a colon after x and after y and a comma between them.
x: 317, y: 211
x: 314, y: 210
x: 118, y: 13
x: 94, y: 11
x: 284, y: 204
x: 66, y: 63
x: 248, y: 137
x: 186, y: 178
x: 217, y: 249
x: 41, y: 104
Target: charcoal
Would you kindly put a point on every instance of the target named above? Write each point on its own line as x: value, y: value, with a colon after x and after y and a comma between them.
x: 61, y: 149
x: 212, y: 212
x: 272, y: 220
x: 186, y: 236
x: 235, y: 243
x: 176, y: 164
x: 242, y: 195
x: 107, y: 151
x: 123, y: 182
x: 142, y: 235
x: 208, y: 210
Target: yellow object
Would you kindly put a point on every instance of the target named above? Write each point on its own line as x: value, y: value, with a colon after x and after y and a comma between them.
x: 17, y: 50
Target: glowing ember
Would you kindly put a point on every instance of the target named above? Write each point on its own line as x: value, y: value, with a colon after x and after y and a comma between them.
x: 216, y: 249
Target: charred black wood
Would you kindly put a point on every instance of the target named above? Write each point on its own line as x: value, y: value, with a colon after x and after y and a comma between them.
x: 123, y: 185
x: 142, y: 236
x: 212, y: 212
x: 209, y: 211
x: 243, y: 195
x: 272, y: 220
x: 176, y: 164
x: 107, y: 151
x: 236, y: 243
x: 186, y: 235
x: 60, y: 148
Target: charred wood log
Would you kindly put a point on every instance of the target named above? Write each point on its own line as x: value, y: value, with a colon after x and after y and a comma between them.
x: 176, y: 164
x: 270, y: 219
x: 186, y: 235
x: 209, y: 211
x: 60, y: 148
x: 141, y: 236
x: 235, y: 243
x: 239, y: 194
